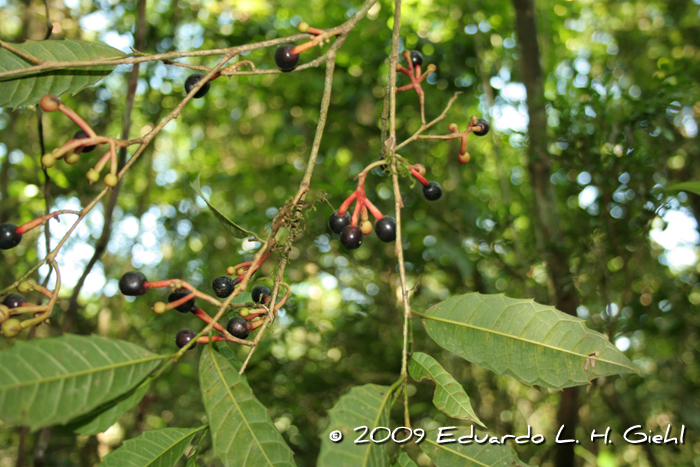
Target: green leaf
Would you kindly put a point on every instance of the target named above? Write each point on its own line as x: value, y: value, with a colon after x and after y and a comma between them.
x: 103, y: 417
x: 533, y: 343
x: 155, y: 448
x: 231, y: 227
x: 693, y: 187
x: 363, y: 406
x: 450, y: 397
x: 467, y: 455
x: 241, y: 429
x: 51, y: 381
x: 404, y: 461
x: 27, y: 89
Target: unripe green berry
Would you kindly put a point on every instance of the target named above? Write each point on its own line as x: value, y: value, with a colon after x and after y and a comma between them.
x: 12, y: 327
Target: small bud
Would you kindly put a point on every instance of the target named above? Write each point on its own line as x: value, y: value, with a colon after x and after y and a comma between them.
x: 111, y: 180
x: 159, y: 308
x: 24, y: 287
x: 47, y: 160
x: 93, y: 175
x: 72, y: 158
x: 303, y: 26
x: 49, y: 103
x: 366, y: 227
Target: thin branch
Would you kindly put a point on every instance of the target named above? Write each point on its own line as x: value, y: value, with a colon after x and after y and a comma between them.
x: 425, y: 126
x: 103, y: 241
x: 304, y: 185
x: 24, y: 55
x: 398, y: 201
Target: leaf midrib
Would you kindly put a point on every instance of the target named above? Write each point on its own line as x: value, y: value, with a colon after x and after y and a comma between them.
x: 235, y: 402
x: 456, y: 453
x: 522, y: 339
x: 82, y: 372
x: 388, y: 394
x: 191, y: 433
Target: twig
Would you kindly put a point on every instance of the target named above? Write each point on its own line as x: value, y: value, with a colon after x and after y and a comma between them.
x: 101, y: 244
x: 398, y: 201
x: 24, y: 55
x: 425, y: 126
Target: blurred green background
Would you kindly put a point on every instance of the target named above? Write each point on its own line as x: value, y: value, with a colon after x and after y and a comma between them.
x: 621, y: 83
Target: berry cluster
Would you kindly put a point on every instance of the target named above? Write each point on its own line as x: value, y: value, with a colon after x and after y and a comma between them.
x: 352, y: 234
x: 83, y: 141
x: 183, y: 295
x: 15, y: 304
x: 340, y: 222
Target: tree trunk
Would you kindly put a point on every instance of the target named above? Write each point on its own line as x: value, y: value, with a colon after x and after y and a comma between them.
x: 550, y: 240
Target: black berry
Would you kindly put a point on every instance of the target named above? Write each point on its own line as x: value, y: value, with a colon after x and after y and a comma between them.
x: 183, y: 337
x: 385, y: 229
x: 223, y: 286
x: 192, y: 81
x: 14, y: 300
x: 432, y: 191
x: 337, y: 223
x: 351, y: 237
x: 133, y: 283
x: 484, y: 127
x: 81, y: 134
x: 261, y: 294
x: 9, y: 238
x: 285, y: 59
x: 238, y: 327
x: 177, y: 295
x: 416, y: 58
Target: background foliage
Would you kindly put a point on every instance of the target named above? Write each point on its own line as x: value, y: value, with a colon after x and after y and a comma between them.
x: 622, y: 103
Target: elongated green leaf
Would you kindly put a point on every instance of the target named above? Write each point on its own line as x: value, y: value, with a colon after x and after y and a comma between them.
x: 103, y: 417
x: 693, y: 187
x: 51, y: 381
x: 242, y: 432
x: 155, y: 448
x: 450, y: 396
x: 363, y: 406
x: 533, y: 343
x: 29, y: 88
x: 230, y: 226
x: 469, y: 455
x: 404, y: 461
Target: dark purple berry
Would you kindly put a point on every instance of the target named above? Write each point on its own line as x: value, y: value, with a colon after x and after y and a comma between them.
x: 81, y: 134
x: 177, y: 295
x: 385, y: 228
x: 14, y: 300
x: 192, y: 81
x: 285, y: 59
x: 261, y: 294
x: 223, y: 286
x: 183, y: 337
x: 351, y: 237
x: 484, y: 127
x: 133, y: 283
x: 238, y: 327
x: 416, y: 58
x: 9, y: 238
x: 337, y: 223
x: 432, y: 191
